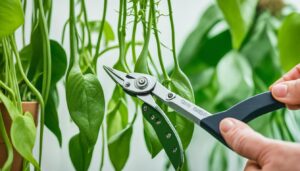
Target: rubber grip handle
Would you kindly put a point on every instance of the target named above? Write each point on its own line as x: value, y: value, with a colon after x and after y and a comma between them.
x: 245, y: 111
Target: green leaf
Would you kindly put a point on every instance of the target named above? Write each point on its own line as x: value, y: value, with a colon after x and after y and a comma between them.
x: 152, y: 142
x: 107, y: 30
x: 59, y: 61
x: 23, y: 133
x: 11, y: 108
x: 181, y: 85
x: 289, y: 42
x: 239, y: 15
x: 218, y: 159
x: 86, y: 104
x: 234, y: 78
x: 11, y: 16
x: 51, y: 115
x: 261, y: 51
x: 193, y: 44
x: 119, y: 148
x: 79, y: 153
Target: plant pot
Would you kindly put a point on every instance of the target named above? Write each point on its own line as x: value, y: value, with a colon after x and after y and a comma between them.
x: 31, y: 107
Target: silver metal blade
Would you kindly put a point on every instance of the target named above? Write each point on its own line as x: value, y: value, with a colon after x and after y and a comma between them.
x: 179, y: 104
x: 116, y: 75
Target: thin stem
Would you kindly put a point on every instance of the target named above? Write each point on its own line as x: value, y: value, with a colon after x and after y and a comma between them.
x: 173, y: 34
x: 23, y: 26
x: 46, y: 70
x: 5, y: 87
x: 33, y: 89
x: 103, y: 149
x: 134, y: 31
x: 73, y: 40
x: 101, y: 30
x: 86, y: 21
x: 64, y: 31
x: 49, y: 17
x: 152, y: 5
x: 7, y: 165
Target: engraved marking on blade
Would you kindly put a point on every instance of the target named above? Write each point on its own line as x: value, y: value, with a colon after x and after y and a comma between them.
x: 195, y: 109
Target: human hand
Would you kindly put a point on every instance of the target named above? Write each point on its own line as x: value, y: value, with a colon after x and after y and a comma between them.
x: 264, y: 154
x: 287, y: 89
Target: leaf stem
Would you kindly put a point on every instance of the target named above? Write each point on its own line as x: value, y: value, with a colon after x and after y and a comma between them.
x: 166, y: 76
x: 103, y: 149
x: 134, y: 31
x: 7, y: 165
x: 73, y: 40
x: 87, y: 26
x: 173, y: 34
x: 101, y: 30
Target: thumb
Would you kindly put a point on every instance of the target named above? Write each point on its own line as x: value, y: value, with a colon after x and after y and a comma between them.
x: 242, y: 139
x: 287, y: 92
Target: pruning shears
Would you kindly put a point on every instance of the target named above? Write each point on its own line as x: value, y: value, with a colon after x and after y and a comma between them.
x: 144, y: 87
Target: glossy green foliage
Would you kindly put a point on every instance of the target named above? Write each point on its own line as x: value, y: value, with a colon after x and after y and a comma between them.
x: 289, y: 43
x: 86, y: 103
x: 23, y: 133
x: 239, y: 15
x: 118, y: 130
x: 11, y: 16
x: 80, y: 156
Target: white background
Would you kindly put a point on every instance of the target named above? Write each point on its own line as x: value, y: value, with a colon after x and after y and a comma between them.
x: 186, y: 15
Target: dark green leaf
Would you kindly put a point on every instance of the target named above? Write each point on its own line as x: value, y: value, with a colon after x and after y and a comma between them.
x: 11, y: 16
x: 23, y: 132
x: 51, y: 115
x: 239, y: 15
x: 234, y: 78
x: 86, y: 104
x: 151, y: 139
x: 79, y: 153
x: 289, y: 42
x: 181, y: 85
x: 58, y: 60
x: 194, y: 42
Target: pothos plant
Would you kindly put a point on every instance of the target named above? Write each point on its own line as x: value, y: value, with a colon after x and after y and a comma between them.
x: 250, y: 56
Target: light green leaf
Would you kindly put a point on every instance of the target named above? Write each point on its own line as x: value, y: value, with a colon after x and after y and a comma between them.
x: 86, y: 104
x: 289, y: 42
x: 107, y: 30
x: 11, y: 16
x: 181, y: 85
x: 234, y: 76
x: 119, y: 148
x: 239, y: 15
x: 23, y: 133
x: 11, y: 108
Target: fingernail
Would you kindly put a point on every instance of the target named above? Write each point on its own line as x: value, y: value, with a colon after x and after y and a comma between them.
x: 280, y: 90
x: 226, y: 125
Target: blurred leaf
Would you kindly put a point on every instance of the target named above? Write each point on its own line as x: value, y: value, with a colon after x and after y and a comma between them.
x: 239, y: 15
x: 218, y: 159
x: 194, y: 42
x: 86, y: 103
x: 11, y: 16
x: 235, y: 78
x: 119, y: 148
x: 23, y: 132
x: 79, y: 153
x: 51, y: 115
x: 181, y: 85
x: 289, y: 42
x: 107, y: 30
x: 261, y: 53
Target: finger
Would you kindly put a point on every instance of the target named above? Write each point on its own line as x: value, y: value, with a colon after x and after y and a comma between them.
x: 242, y: 139
x: 287, y: 92
x: 252, y: 166
x: 293, y: 74
x: 293, y: 107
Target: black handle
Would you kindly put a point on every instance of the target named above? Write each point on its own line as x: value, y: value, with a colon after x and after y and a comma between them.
x: 245, y: 111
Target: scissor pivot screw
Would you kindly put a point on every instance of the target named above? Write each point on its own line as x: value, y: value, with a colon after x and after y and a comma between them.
x: 141, y: 83
x: 170, y: 96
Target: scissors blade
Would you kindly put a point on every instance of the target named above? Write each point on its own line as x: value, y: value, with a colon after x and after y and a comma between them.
x: 179, y: 104
x: 116, y: 75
